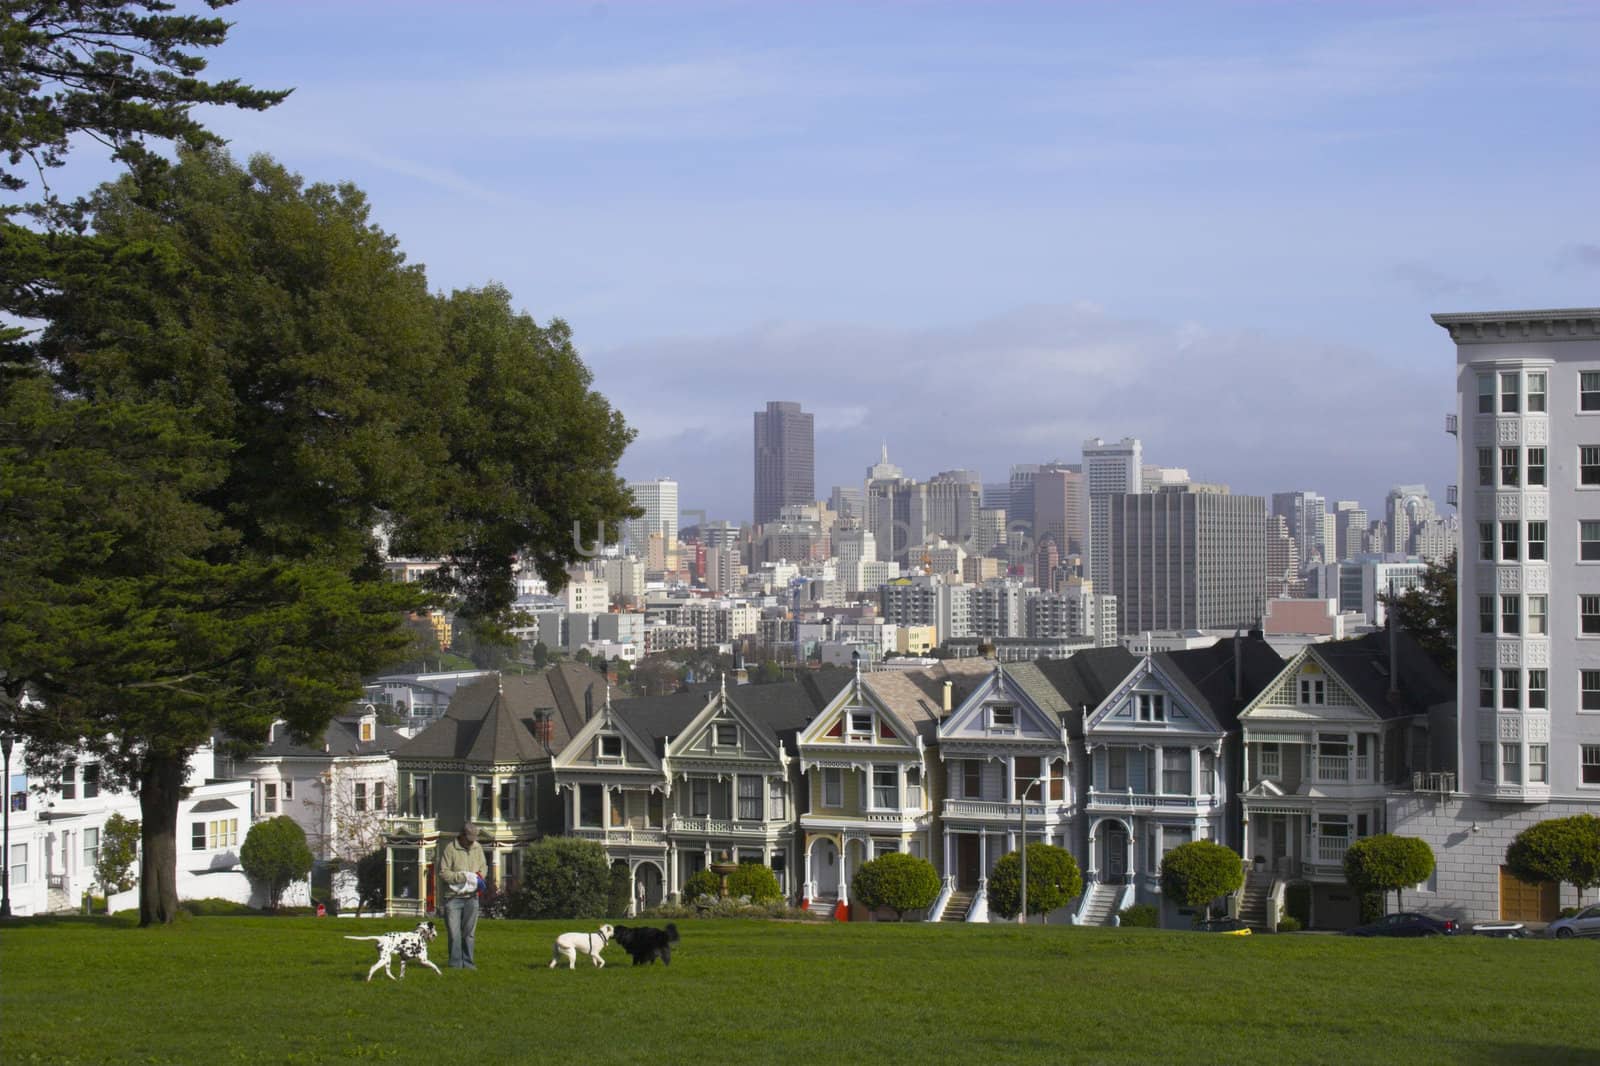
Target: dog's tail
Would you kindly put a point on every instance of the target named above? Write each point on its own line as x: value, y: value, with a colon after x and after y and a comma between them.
x: 672, y: 933
x: 363, y: 938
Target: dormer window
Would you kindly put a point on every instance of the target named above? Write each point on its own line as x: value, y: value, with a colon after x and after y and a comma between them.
x: 1152, y: 706
x: 610, y: 747
x: 861, y: 723
x: 368, y: 730
x: 1002, y: 716
x: 727, y: 735
x: 1313, y: 691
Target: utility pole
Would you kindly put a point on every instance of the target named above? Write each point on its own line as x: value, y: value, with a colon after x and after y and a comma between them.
x: 5, y: 834
x: 1022, y: 817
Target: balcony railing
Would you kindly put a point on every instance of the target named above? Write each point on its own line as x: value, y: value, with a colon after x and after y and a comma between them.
x: 622, y: 834
x: 1451, y: 423
x: 682, y: 824
x: 1332, y: 849
x: 1452, y: 495
x: 1145, y: 800
x: 1333, y: 767
x: 997, y: 809
x: 1443, y: 783
x: 411, y: 826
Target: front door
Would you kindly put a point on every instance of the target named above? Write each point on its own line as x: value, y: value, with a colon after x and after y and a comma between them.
x: 968, y: 862
x: 1526, y: 901
x: 1116, y: 853
x: 825, y: 867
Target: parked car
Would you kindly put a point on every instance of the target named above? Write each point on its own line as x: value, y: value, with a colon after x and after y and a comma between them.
x: 1229, y: 926
x: 1503, y: 930
x: 1406, y: 924
x: 1585, y: 923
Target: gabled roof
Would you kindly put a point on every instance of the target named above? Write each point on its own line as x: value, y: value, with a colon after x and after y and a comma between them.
x: 1085, y: 680
x: 1208, y: 675
x: 1007, y: 684
x: 779, y: 711
x: 492, y: 719
x: 341, y: 739
x: 1363, y: 666
x: 916, y: 697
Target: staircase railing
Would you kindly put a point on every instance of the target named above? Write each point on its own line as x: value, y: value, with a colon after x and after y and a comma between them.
x: 936, y: 912
x: 1275, y: 904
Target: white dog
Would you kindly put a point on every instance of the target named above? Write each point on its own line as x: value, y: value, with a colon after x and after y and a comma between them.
x: 569, y: 945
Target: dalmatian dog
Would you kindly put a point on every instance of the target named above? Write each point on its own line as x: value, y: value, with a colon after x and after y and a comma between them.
x: 570, y: 945
x: 407, y: 947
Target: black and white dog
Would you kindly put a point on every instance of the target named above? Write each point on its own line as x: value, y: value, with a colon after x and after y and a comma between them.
x: 646, y: 943
x: 407, y: 947
x: 570, y: 945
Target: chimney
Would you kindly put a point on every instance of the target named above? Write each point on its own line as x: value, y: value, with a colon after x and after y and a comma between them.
x: 1238, y: 666
x: 544, y: 728
x: 948, y: 685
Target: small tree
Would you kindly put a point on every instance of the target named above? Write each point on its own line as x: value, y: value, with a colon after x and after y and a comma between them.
x: 701, y: 883
x: 1387, y: 863
x: 1559, y: 850
x: 756, y: 881
x: 1053, y: 881
x: 275, y: 852
x: 1198, y: 872
x: 119, y: 850
x: 563, y: 878
x: 899, y: 882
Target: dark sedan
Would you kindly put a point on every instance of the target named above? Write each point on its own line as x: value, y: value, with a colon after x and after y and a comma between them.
x: 1406, y: 924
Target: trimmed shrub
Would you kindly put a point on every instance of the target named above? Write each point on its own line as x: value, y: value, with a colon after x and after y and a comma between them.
x: 1559, y: 850
x: 1053, y: 881
x: 701, y: 883
x: 275, y: 852
x: 371, y: 875
x: 1196, y: 873
x: 755, y: 881
x: 1387, y: 863
x: 899, y: 882
x: 562, y: 877
x: 212, y: 907
x: 619, y: 896
x: 1140, y: 916
x: 1288, y: 923
x: 733, y: 908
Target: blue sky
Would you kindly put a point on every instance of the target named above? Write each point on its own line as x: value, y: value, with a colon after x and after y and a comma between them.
x: 981, y: 232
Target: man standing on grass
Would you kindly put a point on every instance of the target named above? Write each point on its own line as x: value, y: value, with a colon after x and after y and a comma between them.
x: 461, y: 871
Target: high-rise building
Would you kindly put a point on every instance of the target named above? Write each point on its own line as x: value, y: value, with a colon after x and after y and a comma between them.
x: 1058, y: 508
x: 785, y: 457
x: 659, y: 500
x: 1406, y: 508
x: 1108, y: 469
x: 1306, y: 514
x: 1181, y: 559
x: 1350, y: 529
x: 1019, y: 494
x: 1283, y: 561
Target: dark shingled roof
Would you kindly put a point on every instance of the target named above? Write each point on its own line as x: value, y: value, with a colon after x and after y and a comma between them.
x: 1207, y: 674
x: 780, y: 710
x: 1364, y: 666
x: 1087, y: 678
x: 341, y: 738
x: 492, y: 719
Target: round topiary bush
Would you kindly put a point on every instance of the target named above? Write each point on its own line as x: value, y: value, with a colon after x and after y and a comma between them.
x: 275, y: 852
x: 1053, y: 881
x: 1196, y: 873
x: 755, y: 881
x: 897, y: 881
x: 1387, y: 863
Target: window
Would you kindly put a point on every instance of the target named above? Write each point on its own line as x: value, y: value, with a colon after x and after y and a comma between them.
x: 361, y: 795
x: 1271, y: 760
x: 421, y: 800
x: 914, y: 787
x: 749, y: 798
x: 1024, y: 770
x: 1511, y: 688
x: 1058, y: 779
x: 1002, y: 717
x: 1536, y: 391
x: 508, y: 799
x: 288, y: 789
x: 1509, y: 392
x: 91, y: 780
x: 1485, y: 614
x: 1486, y: 541
x: 1486, y: 394
x: 1509, y: 541
x: 972, y: 779
x: 1511, y: 764
x: 1485, y: 688
x: 610, y: 747
x: 1589, y: 541
x: 1538, y: 538
x: 590, y: 803
x: 1510, y: 615
x: 367, y: 730
x: 269, y: 797
x: 1486, y: 467
x: 1589, y: 686
x: 776, y: 806
x: 861, y: 722
x: 1589, y: 391
x: 91, y: 848
x: 700, y: 797
x: 1589, y: 770
x: 197, y: 836
x: 1175, y: 771
x: 1589, y: 465
x: 1312, y: 691
x: 1589, y: 613
x: 377, y: 795
x: 1486, y: 761
x: 1538, y: 764
x: 1510, y: 467
x: 832, y: 788
x: 727, y: 735
x: 69, y: 781
x: 1152, y: 706
x: 483, y: 787
x: 1538, y: 616
x: 1536, y: 467
x: 885, y: 787
x: 1117, y: 763
x: 1538, y: 688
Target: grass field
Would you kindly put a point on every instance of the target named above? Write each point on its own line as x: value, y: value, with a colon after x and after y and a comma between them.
x: 290, y: 990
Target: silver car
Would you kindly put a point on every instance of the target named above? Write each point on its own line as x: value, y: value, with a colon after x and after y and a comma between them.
x: 1585, y: 923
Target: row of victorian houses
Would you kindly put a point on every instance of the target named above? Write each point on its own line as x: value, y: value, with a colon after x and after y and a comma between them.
x: 1117, y: 758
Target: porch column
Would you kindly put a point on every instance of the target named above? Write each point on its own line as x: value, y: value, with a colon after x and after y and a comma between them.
x: 1196, y: 786
x: 805, y: 861
x: 1244, y: 757
x: 1093, y: 864
x: 1157, y: 785
x: 605, y: 809
x: 1133, y: 843
x: 388, y: 877
x: 983, y: 854
x: 1160, y: 837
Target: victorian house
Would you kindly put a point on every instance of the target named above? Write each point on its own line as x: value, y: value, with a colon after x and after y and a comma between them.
x: 1342, y: 726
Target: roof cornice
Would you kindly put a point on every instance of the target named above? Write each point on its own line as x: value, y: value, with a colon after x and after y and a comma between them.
x: 1489, y: 327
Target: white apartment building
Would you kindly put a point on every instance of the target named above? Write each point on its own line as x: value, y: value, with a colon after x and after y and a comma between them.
x: 1528, y: 425
x: 659, y: 500
x: 1108, y: 469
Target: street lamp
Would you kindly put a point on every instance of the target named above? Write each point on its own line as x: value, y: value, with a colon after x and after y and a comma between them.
x: 5, y: 834
x: 1022, y: 818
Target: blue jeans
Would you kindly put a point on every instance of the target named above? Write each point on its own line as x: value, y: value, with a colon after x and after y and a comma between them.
x: 461, y: 926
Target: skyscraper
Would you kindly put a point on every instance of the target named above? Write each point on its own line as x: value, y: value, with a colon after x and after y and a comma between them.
x: 659, y: 499
x: 1107, y: 469
x: 785, y: 459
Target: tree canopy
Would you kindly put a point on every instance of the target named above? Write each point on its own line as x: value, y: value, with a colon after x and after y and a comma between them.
x: 898, y: 881
x: 1428, y: 612
x: 275, y: 853
x: 1196, y: 873
x: 1387, y: 863
x: 1560, y: 850
x: 1053, y: 881
x: 563, y: 877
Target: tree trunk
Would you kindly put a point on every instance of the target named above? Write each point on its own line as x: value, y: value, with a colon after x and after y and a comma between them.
x: 160, y: 783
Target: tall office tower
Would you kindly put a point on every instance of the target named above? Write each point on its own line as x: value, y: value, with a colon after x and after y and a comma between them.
x: 1306, y: 514
x: 1283, y: 561
x: 1108, y: 469
x: 785, y: 454
x: 878, y: 505
x: 952, y: 501
x: 848, y: 503
x: 1019, y: 498
x: 1058, y: 508
x: 1405, y: 510
x: 1047, y: 562
x: 659, y: 499
x: 1181, y: 559
x: 996, y: 495
x: 1350, y: 526
x: 988, y: 531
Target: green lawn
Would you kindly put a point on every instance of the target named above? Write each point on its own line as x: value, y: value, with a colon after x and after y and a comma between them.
x: 289, y: 990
